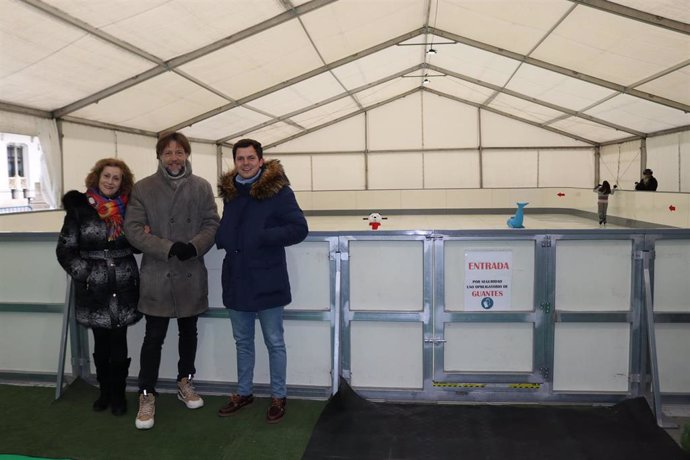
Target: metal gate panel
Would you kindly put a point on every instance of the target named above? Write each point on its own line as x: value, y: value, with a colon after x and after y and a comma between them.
x: 673, y: 343
x: 592, y: 357
x: 488, y: 347
x: 671, y: 270
x: 387, y: 355
x: 597, y: 315
x: 311, y: 268
x: 593, y: 275
x: 386, y: 302
x: 490, y: 350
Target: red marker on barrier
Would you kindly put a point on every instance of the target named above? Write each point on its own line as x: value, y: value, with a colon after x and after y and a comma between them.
x: 671, y: 208
x: 560, y: 194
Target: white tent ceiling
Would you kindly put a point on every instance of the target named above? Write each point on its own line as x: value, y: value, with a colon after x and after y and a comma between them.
x: 598, y: 71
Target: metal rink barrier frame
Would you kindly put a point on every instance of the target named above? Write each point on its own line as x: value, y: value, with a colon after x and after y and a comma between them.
x: 545, y: 314
x: 427, y: 316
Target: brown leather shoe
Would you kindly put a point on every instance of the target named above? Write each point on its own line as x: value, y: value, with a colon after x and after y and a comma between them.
x: 235, y: 403
x: 277, y: 410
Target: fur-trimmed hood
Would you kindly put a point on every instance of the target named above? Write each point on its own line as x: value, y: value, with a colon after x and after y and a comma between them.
x: 271, y: 181
x: 74, y: 199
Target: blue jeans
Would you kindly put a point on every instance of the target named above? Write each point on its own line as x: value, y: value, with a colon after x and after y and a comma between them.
x: 243, y: 327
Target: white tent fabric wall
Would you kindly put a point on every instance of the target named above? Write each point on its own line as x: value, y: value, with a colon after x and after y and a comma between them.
x: 84, y: 145
x: 345, y: 77
x: 620, y: 164
x: 439, y: 170
x: 669, y: 157
x: 566, y: 168
x: 442, y: 130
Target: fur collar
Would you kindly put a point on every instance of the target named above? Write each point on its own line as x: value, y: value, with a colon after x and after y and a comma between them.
x: 271, y: 181
x: 74, y: 199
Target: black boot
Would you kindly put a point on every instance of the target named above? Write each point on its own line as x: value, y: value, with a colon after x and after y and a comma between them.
x: 119, y: 371
x: 102, y: 364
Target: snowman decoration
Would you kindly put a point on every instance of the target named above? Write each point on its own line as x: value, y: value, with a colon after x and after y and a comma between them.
x: 375, y: 220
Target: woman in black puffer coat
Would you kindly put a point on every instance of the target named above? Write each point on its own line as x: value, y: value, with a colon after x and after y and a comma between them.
x: 93, y: 250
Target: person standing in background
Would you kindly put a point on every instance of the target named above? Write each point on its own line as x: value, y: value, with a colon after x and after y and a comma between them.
x: 93, y: 250
x: 603, y: 191
x: 172, y: 219
x: 260, y: 218
x: 648, y: 182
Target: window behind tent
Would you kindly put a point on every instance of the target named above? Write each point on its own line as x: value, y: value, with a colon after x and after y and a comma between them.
x: 11, y: 161
x: 20, y: 174
x: 15, y: 161
x: 20, y: 160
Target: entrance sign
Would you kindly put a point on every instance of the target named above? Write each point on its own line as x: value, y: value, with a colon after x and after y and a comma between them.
x: 488, y: 278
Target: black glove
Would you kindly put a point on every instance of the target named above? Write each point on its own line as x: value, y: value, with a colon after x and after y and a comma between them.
x: 183, y: 251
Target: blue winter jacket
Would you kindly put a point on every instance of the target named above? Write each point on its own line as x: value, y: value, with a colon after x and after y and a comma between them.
x: 259, y: 221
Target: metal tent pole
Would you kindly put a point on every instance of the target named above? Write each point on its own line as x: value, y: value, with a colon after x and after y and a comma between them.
x: 661, y: 419
x: 66, y: 312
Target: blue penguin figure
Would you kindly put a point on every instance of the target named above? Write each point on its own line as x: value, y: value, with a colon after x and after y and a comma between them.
x: 515, y: 221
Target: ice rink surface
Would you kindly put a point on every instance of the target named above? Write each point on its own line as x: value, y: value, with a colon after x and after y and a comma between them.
x: 452, y: 222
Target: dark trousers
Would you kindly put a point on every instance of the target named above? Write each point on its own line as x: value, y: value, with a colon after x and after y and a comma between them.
x: 110, y: 344
x: 602, y: 207
x: 156, y: 330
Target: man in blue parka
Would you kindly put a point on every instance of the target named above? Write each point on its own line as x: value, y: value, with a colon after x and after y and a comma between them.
x: 260, y: 218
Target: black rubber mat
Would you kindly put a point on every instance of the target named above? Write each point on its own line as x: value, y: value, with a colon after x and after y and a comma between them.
x: 351, y: 427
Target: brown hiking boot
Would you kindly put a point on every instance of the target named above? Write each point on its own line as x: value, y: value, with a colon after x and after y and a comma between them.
x: 277, y: 410
x: 235, y: 403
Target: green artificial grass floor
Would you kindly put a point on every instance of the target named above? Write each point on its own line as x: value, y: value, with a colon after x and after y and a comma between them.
x: 23, y: 457
x: 33, y: 424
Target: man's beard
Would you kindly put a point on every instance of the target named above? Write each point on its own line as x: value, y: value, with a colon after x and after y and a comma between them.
x: 178, y: 173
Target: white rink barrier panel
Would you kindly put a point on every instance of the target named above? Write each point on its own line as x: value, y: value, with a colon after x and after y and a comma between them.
x: 486, y: 315
x: 32, y: 299
x: 626, y: 207
x: 671, y: 306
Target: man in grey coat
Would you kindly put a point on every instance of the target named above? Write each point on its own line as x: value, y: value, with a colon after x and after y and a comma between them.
x: 172, y: 218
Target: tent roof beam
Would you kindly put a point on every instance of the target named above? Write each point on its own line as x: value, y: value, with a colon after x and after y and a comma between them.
x: 549, y: 105
x: 677, y: 129
x: 297, y: 79
x: 14, y: 108
x: 562, y: 70
x: 321, y: 103
x: 343, y: 118
x: 192, y: 55
x: 631, y: 13
x: 438, y: 93
x: 510, y: 115
x: 536, y: 45
x: 440, y: 150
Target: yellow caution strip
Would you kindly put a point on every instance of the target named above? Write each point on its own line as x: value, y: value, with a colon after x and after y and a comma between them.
x: 528, y: 386
x: 519, y: 386
x: 459, y: 385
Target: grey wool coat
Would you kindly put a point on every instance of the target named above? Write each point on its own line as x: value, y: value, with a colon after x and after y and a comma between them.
x: 183, y: 210
x: 104, y: 297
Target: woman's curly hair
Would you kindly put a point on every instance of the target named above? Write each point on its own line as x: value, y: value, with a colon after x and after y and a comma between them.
x: 95, y: 174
